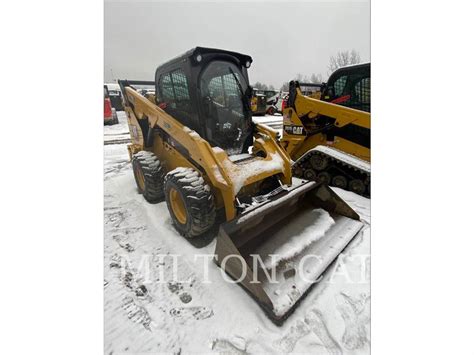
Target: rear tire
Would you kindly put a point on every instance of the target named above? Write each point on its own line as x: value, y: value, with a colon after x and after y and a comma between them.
x: 190, y: 202
x: 149, y: 176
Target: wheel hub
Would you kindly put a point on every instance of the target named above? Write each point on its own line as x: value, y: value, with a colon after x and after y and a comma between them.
x: 178, y: 207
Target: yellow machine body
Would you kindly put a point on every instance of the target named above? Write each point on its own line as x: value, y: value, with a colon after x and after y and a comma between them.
x: 216, y: 164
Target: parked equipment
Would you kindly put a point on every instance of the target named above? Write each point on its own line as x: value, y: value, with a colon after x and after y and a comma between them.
x: 258, y: 103
x: 195, y: 146
x: 312, y: 90
x: 115, y: 95
x: 275, y: 102
x: 110, y: 115
x: 328, y: 142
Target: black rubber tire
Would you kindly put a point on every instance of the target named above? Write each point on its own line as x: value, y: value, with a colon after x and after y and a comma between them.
x: 198, y: 201
x: 153, y: 174
x: 115, y: 117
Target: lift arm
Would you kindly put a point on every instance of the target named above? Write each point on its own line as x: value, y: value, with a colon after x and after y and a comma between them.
x: 316, y: 115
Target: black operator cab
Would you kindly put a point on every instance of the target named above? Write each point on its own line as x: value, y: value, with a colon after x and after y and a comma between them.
x: 208, y: 90
x: 350, y: 86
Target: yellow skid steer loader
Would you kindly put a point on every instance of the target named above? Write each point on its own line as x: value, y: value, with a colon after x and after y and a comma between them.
x: 195, y: 146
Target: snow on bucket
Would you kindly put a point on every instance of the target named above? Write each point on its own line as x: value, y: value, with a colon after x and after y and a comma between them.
x: 278, y: 250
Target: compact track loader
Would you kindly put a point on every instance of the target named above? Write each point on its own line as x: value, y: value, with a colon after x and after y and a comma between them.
x: 330, y: 141
x: 195, y: 146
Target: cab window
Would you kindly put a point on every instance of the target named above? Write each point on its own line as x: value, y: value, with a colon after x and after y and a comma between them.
x: 174, y: 95
x: 339, y: 85
x: 225, y: 106
x: 362, y: 90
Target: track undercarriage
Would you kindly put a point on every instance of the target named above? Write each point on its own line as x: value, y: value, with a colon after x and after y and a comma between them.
x: 336, y: 168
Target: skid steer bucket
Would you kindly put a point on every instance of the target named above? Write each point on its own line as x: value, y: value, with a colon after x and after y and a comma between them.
x: 280, y: 248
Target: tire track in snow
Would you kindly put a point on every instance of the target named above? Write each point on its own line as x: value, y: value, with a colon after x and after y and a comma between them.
x: 316, y: 322
x: 288, y: 342
x: 356, y: 315
x: 158, y: 308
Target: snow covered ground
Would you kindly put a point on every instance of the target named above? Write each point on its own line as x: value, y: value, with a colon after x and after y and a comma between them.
x: 146, y: 311
x: 117, y: 133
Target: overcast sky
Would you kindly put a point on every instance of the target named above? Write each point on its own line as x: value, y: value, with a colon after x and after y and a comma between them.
x: 283, y: 38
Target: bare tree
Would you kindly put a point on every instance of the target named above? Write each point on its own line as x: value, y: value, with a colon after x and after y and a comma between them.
x: 303, y: 78
x: 316, y: 79
x: 260, y: 86
x: 342, y: 59
x: 285, y: 87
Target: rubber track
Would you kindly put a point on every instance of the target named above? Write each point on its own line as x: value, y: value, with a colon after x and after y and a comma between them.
x: 349, y: 171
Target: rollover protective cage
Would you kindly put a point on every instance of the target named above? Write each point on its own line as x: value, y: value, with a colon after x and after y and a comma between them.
x: 207, y: 90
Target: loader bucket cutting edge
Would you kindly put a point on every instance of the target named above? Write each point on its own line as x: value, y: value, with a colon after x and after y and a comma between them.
x: 245, y: 244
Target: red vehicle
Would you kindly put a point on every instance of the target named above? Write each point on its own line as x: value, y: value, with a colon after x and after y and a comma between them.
x: 110, y: 115
x: 284, y: 102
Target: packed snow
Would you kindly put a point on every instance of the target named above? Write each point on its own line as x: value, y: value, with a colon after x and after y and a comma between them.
x: 146, y: 310
x: 240, y: 173
x: 315, y: 223
x: 191, y: 132
x: 297, y: 274
x: 239, y: 168
x: 117, y: 133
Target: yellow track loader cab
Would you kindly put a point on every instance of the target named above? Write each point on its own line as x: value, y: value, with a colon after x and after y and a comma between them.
x: 194, y: 145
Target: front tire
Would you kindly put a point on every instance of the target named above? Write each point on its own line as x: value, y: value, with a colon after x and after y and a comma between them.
x: 149, y: 176
x: 190, y: 202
